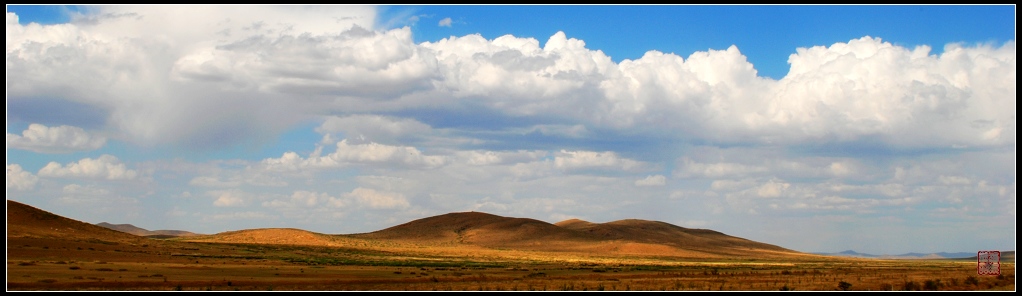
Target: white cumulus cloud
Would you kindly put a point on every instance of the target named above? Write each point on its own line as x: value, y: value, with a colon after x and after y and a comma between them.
x: 373, y: 127
x: 652, y: 180
x: 693, y: 169
x: 19, y: 179
x: 591, y: 159
x: 229, y: 198
x: 348, y: 154
x: 378, y: 199
x: 105, y: 167
x: 58, y: 139
x: 306, y: 199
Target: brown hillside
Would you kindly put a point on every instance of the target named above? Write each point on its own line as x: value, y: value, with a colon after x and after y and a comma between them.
x: 27, y: 221
x: 656, y: 232
x: 574, y: 224
x: 633, y: 237
x: 281, y: 236
x: 477, y: 228
x: 277, y: 236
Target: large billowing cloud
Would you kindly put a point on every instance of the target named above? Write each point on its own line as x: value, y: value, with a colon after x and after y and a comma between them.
x: 908, y: 97
x: 143, y: 66
x: 58, y: 139
x: 231, y: 78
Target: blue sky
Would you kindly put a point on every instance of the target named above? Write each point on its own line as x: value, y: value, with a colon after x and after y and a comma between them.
x: 883, y: 129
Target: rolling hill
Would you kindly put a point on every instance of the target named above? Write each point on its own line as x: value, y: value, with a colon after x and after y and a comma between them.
x: 468, y: 230
x: 27, y: 221
x: 656, y: 232
x: 632, y: 236
x: 475, y: 228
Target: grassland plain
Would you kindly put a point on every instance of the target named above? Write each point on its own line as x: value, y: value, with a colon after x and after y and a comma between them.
x: 46, y: 252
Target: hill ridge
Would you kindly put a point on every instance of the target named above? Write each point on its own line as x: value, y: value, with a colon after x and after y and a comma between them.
x: 625, y: 236
x: 27, y: 221
x: 456, y: 229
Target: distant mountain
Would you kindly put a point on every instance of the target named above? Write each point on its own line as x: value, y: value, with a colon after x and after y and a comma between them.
x: 935, y: 255
x: 939, y: 255
x: 849, y: 253
x: 132, y: 229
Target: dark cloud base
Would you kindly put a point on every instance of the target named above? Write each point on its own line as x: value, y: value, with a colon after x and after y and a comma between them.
x: 55, y: 112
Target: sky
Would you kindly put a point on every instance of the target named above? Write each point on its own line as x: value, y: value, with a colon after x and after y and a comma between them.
x: 881, y: 129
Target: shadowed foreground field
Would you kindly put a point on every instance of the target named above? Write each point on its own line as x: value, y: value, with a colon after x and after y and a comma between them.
x: 41, y: 264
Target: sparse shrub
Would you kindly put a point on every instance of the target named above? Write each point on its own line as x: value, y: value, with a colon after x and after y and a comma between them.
x: 48, y: 281
x: 931, y: 285
x: 971, y: 280
x: 911, y: 286
x: 843, y: 285
x: 785, y: 288
x: 568, y: 287
x: 104, y: 269
x: 74, y: 268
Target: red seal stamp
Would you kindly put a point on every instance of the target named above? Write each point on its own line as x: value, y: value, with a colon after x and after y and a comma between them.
x: 988, y: 262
